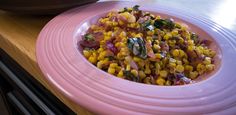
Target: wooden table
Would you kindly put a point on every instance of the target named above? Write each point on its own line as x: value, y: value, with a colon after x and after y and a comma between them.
x: 18, y: 36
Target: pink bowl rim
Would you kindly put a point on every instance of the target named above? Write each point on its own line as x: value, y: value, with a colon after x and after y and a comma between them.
x: 111, y: 91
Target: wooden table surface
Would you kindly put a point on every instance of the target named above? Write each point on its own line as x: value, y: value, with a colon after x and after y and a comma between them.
x: 18, y: 36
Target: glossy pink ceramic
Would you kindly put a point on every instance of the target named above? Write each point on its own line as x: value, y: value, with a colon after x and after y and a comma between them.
x: 66, y: 68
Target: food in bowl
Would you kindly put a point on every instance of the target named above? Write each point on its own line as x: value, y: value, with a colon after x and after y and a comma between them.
x: 139, y: 46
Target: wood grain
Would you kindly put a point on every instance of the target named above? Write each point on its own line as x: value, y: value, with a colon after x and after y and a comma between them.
x: 18, y: 35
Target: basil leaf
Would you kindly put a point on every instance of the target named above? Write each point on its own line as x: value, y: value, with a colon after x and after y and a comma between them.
x: 88, y: 37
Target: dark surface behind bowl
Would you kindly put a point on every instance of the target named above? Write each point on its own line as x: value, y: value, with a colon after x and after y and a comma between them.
x: 41, y: 7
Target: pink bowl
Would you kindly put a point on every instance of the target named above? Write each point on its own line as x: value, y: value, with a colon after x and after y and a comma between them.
x: 66, y: 68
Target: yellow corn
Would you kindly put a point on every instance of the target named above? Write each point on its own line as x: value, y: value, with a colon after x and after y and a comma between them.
x: 179, y: 62
x: 185, y: 61
x: 175, y: 52
x: 160, y: 81
x: 172, y: 65
x: 99, y: 64
x: 113, y: 65
x: 191, y: 47
x: 150, y: 33
x: 134, y: 72
x: 193, y: 75
x: 156, y: 47
x: 188, y: 68
x: 92, y: 59
x: 168, y: 83
x: 181, y: 53
x: 137, y: 59
x: 179, y: 68
x: 120, y: 74
x: 163, y: 73
x: 86, y: 53
x: 158, y: 55
x: 111, y: 70
x: 141, y: 74
x: 210, y: 67
x: 201, y: 68
x: 181, y: 40
x: 207, y: 60
x: 147, y: 71
x: 167, y: 36
x: 190, y: 42
x: 127, y: 67
x: 147, y: 80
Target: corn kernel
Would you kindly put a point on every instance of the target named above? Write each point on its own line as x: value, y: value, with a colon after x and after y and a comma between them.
x: 156, y: 47
x: 179, y: 62
x: 201, y: 68
x: 188, y: 68
x: 172, y: 60
x: 172, y: 65
x: 207, y: 60
x: 191, y: 47
x: 120, y: 74
x: 193, y: 75
x: 174, y: 32
x: 100, y: 50
x: 185, y: 61
x: 147, y: 71
x: 86, y: 53
x: 178, y: 25
x: 147, y: 80
x: 141, y: 74
x: 113, y: 65
x: 116, y: 28
x: 134, y: 72
x: 163, y: 73
x: 148, y: 38
x: 179, y: 68
x: 107, y: 38
x: 181, y: 53
x: 102, y: 55
x: 114, y: 23
x: 100, y: 64
x: 210, y: 67
x: 158, y: 17
x: 92, y: 59
x: 128, y: 67
x: 181, y: 40
x: 160, y: 81
x: 120, y: 22
x: 172, y: 43
x: 167, y: 36
x: 158, y: 55
x: 190, y: 42
x: 212, y: 53
x: 150, y: 33
x: 168, y: 83
x: 175, y: 52
x: 137, y: 59
x: 111, y: 70
x: 122, y: 44
x: 117, y: 44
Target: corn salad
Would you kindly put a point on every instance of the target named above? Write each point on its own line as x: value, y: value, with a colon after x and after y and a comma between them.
x: 142, y: 47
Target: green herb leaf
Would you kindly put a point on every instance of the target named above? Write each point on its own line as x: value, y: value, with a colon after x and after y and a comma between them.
x: 136, y: 8
x: 137, y: 47
x: 195, y: 37
x: 164, y: 23
x: 88, y: 37
x: 147, y: 25
x: 130, y: 76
